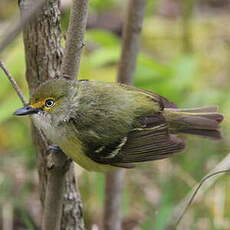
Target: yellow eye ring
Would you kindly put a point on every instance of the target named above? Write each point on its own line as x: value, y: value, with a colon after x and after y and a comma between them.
x: 49, y: 103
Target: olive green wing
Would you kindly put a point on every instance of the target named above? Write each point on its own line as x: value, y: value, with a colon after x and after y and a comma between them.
x: 164, y: 103
x: 150, y: 142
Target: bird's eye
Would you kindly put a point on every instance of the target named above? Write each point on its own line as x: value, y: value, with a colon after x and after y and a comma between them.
x: 49, y: 103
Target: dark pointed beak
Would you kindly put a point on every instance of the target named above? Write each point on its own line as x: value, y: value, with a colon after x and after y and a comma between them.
x: 26, y: 111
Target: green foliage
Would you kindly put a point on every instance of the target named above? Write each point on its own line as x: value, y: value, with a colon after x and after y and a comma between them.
x: 98, y: 5
x: 169, y: 80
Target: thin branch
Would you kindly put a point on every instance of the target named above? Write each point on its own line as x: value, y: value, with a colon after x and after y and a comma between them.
x: 113, y: 196
x: 131, y: 33
x: 75, y: 39
x: 20, y: 95
x: 18, y: 25
x: 182, y: 208
x: 13, y: 83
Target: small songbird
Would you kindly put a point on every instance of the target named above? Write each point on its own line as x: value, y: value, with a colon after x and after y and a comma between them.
x: 104, y: 126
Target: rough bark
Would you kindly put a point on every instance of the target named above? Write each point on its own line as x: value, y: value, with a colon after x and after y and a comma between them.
x: 130, y: 46
x: 42, y: 41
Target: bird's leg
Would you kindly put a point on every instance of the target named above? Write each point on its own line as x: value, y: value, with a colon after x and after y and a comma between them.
x: 55, y: 148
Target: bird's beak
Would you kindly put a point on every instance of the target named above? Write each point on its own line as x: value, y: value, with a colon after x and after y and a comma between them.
x: 26, y: 111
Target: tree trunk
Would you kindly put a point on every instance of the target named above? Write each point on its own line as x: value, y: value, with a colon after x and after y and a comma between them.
x: 42, y: 40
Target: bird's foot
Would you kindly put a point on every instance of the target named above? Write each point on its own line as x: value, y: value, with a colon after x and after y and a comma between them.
x: 54, y: 148
x: 57, y: 149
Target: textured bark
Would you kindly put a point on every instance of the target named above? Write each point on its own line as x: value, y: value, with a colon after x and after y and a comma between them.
x: 130, y: 45
x: 42, y: 40
x: 72, y: 215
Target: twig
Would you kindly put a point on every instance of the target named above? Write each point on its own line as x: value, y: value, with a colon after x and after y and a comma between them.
x: 20, y: 95
x: 131, y: 33
x: 75, y: 39
x: 113, y: 196
x: 13, y: 83
x: 181, y: 209
x: 19, y: 24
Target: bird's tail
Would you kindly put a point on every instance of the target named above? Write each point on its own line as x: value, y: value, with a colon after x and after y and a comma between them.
x: 202, y: 121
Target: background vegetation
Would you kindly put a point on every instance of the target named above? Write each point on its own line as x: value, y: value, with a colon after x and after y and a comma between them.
x: 185, y: 53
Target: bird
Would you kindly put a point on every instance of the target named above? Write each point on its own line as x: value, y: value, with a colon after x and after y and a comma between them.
x: 104, y: 126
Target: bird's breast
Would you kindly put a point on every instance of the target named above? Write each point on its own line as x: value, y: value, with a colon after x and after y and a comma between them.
x: 67, y: 139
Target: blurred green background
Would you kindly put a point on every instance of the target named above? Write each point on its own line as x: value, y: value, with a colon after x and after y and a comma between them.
x: 184, y: 56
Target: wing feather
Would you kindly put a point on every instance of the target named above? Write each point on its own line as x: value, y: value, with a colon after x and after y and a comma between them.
x: 144, y: 145
x: 161, y: 100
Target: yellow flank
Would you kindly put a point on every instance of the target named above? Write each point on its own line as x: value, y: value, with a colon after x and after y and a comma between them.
x: 74, y: 150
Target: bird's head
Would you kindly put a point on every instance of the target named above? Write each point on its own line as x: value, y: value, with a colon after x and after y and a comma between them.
x: 51, y: 97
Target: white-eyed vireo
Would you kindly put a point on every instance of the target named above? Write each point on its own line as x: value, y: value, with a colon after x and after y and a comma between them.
x: 108, y: 125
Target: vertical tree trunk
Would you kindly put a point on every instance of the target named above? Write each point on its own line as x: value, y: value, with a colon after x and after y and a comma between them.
x: 42, y: 40
x: 130, y: 46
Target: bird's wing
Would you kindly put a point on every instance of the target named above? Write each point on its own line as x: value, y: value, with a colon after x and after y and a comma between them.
x: 151, y: 142
x: 164, y: 102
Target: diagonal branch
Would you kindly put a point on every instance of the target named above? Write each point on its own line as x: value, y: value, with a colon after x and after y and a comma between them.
x: 179, y: 212
x: 13, y: 83
x: 131, y: 33
x: 75, y: 38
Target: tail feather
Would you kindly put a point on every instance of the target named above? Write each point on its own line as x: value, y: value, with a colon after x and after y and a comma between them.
x: 214, y: 134
x: 198, y: 110
x: 202, y: 121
